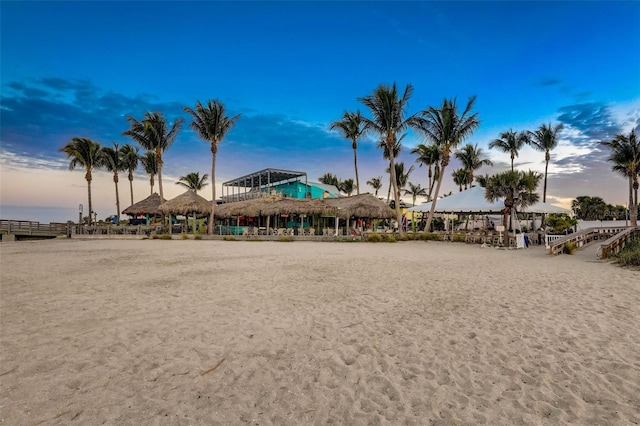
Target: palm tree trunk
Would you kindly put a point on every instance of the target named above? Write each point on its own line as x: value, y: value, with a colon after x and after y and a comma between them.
x: 429, y: 176
x: 115, y: 181
x: 355, y: 164
x: 396, y: 193
x: 633, y: 201
x: 88, y: 177
x: 159, y: 162
x: 131, y: 188
x: 389, y: 192
x: 544, y: 193
x: 152, y: 182
x: 214, y: 151
x: 435, y: 198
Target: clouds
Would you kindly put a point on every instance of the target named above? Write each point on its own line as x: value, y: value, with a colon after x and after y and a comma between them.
x: 594, y: 120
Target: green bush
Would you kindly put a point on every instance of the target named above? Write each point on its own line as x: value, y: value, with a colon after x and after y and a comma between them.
x: 286, y: 239
x: 185, y: 236
x: 197, y: 237
x: 374, y: 237
x: 430, y: 236
x: 630, y: 255
x: 165, y: 237
x: 458, y: 238
x: 388, y: 238
x: 569, y: 248
x: 229, y: 239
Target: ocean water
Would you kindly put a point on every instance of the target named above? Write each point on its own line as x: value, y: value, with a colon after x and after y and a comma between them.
x: 45, y: 214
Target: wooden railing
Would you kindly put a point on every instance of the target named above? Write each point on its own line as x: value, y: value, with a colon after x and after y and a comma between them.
x: 26, y: 227
x: 614, y: 244
x: 581, y: 238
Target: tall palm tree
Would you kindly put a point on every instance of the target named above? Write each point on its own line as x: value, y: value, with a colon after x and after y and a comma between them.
x: 153, y: 134
x: 130, y: 159
x: 589, y: 208
x: 625, y: 156
x: 402, y: 176
x: 415, y: 191
x: 518, y: 188
x: 471, y: 158
x: 429, y: 155
x: 446, y: 129
x: 510, y: 142
x: 376, y: 184
x: 387, y: 120
x: 460, y: 177
x: 193, y: 181
x: 111, y: 160
x: 347, y: 187
x: 387, y: 154
x: 212, y: 124
x: 351, y: 126
x: 84, y: 152
x: 330, y: 179
x: 545, y: 139
x: 150, y: 165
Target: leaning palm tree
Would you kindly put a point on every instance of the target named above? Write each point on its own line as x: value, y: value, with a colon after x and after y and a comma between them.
x: 376, y: 184
x: 387, y: 120
x: 153, y: 134
x: 193, y: 181
x: 351, y: 126
x: 86, y: 153
x: 429, y: 155
x: 130, y: 159
x: 545, y: 139
x: 625, y: 156
x: 518, y: 189
x: 510, y: 142
x: 212, y: 124
x: 150, y: 165
x: 471, y: 158
x: 446, y: 129
x: 111, y: 160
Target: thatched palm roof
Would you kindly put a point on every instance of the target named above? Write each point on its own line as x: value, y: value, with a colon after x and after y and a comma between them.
x: 186, y: 203
x: 147, y: 206
x: 363, y: 205
x: 266, y: 206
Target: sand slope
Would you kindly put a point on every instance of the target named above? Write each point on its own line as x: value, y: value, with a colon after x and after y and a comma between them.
x: 214, y: 332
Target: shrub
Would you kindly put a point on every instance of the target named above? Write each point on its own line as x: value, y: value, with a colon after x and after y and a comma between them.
x: 165, y: 237
x: 630, y: 255
x: 388, y: 238
x: 458, y: 238
x: 229, y: 239
x: 569, y: 248
x: 430, y: 236
x: 286, y: 239
x: 185, y: 237
x: 374, y: 237
x: 197, y: 237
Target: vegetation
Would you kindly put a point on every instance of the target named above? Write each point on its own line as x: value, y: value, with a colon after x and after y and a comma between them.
x: 352, y: 127
x: 510, y: 142
x: 376, y: 184
x: 130, y: 158
x: 211, y: 124
x: 193, y: 181
x: 428, y: 155
x: 560, y: 223
x: 630, y: 255
x: 472, y: 159
x: 148, y: 161
x: 569, y: 248
x: 330, y: 179
x: 545, y: 139
x: 625, y: 156
x: 111, y: 159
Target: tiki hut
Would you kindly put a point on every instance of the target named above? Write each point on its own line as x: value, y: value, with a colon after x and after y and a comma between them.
x: 147, y: 207
x: 186, y: 204
x: 268, y: 206
x: 364, y: 206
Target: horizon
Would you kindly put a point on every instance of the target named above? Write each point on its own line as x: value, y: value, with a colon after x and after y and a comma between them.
x: 290, y: 69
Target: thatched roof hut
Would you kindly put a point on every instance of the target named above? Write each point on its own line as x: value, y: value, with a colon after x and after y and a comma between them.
x: 185, y: 204
x: 266, y: 206
x: 363, y: 205
x: 147, y: 206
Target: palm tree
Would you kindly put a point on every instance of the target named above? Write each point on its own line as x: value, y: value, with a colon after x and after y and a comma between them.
x: 429, y: 155
x: 516, y: 187
x: 193, y: 181
x: 625, y: 157
x: 351, y: 126
x: 153, y: 135
x: 545, y: 139
x: 150, y: 165
x: 212, y: 124
x: 330, y: 179
x: 347, y: 187
x: 589, y: 208
x: 86, y: 153
x: 130, y: 159
x: 446, y: 129
x: 111, y: 159
x: 460, y: 177
x: 376, y: 184
x: 415, y: 191
x: 510, y: 142
x: 387, y: 154
x: 471, y: 158
x: 402, y: 176
x: 388, y: 111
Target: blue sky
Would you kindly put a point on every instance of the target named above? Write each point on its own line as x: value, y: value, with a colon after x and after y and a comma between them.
x: 290, y: 69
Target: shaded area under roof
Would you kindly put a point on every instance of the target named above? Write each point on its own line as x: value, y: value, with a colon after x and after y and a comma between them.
x: 266, y: 177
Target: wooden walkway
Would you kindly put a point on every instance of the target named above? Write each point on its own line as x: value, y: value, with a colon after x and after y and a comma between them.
x: 18, y: 229
x: 613, y: 240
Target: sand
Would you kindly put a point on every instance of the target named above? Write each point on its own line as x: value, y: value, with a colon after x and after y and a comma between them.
x: 275, y: 333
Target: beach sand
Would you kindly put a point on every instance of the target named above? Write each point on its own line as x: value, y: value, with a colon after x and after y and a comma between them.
x: 217, y: 332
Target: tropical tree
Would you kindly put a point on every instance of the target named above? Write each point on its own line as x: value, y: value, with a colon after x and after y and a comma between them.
x: 376, y: 184
x: 518, y: 188
x: 347, y: 186
x: 150, y: 165
x: 625, y: 156
x: 446, y: 129
x: 130, y: 159
x: 193, y: 181
x: 351, y: 126
x: 153, y: 134
x: 212, y: 124
x: 85, y: 153
x: 460, y: 177
x: 545, y: 139
x: 330, y: 179
x: 471, y: 158
x: 387, y: 120
x: 589, y: 208
x: 387, y: 154
x: 111, y: 160
x: 415, y: 191
x: 510, y: 142
x: 402, y: 176
x: 428, y: 155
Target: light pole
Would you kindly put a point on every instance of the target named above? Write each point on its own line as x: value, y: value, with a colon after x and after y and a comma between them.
x: 80, y: 219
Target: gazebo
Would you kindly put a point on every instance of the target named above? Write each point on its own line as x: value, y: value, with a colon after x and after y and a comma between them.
x: 147, y: 207
x: 185, y: 204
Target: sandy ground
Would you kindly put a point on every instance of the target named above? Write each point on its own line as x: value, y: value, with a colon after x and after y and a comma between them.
x: 231, y: 333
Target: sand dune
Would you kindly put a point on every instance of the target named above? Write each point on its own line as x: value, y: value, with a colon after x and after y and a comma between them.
x: 213, y: 332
